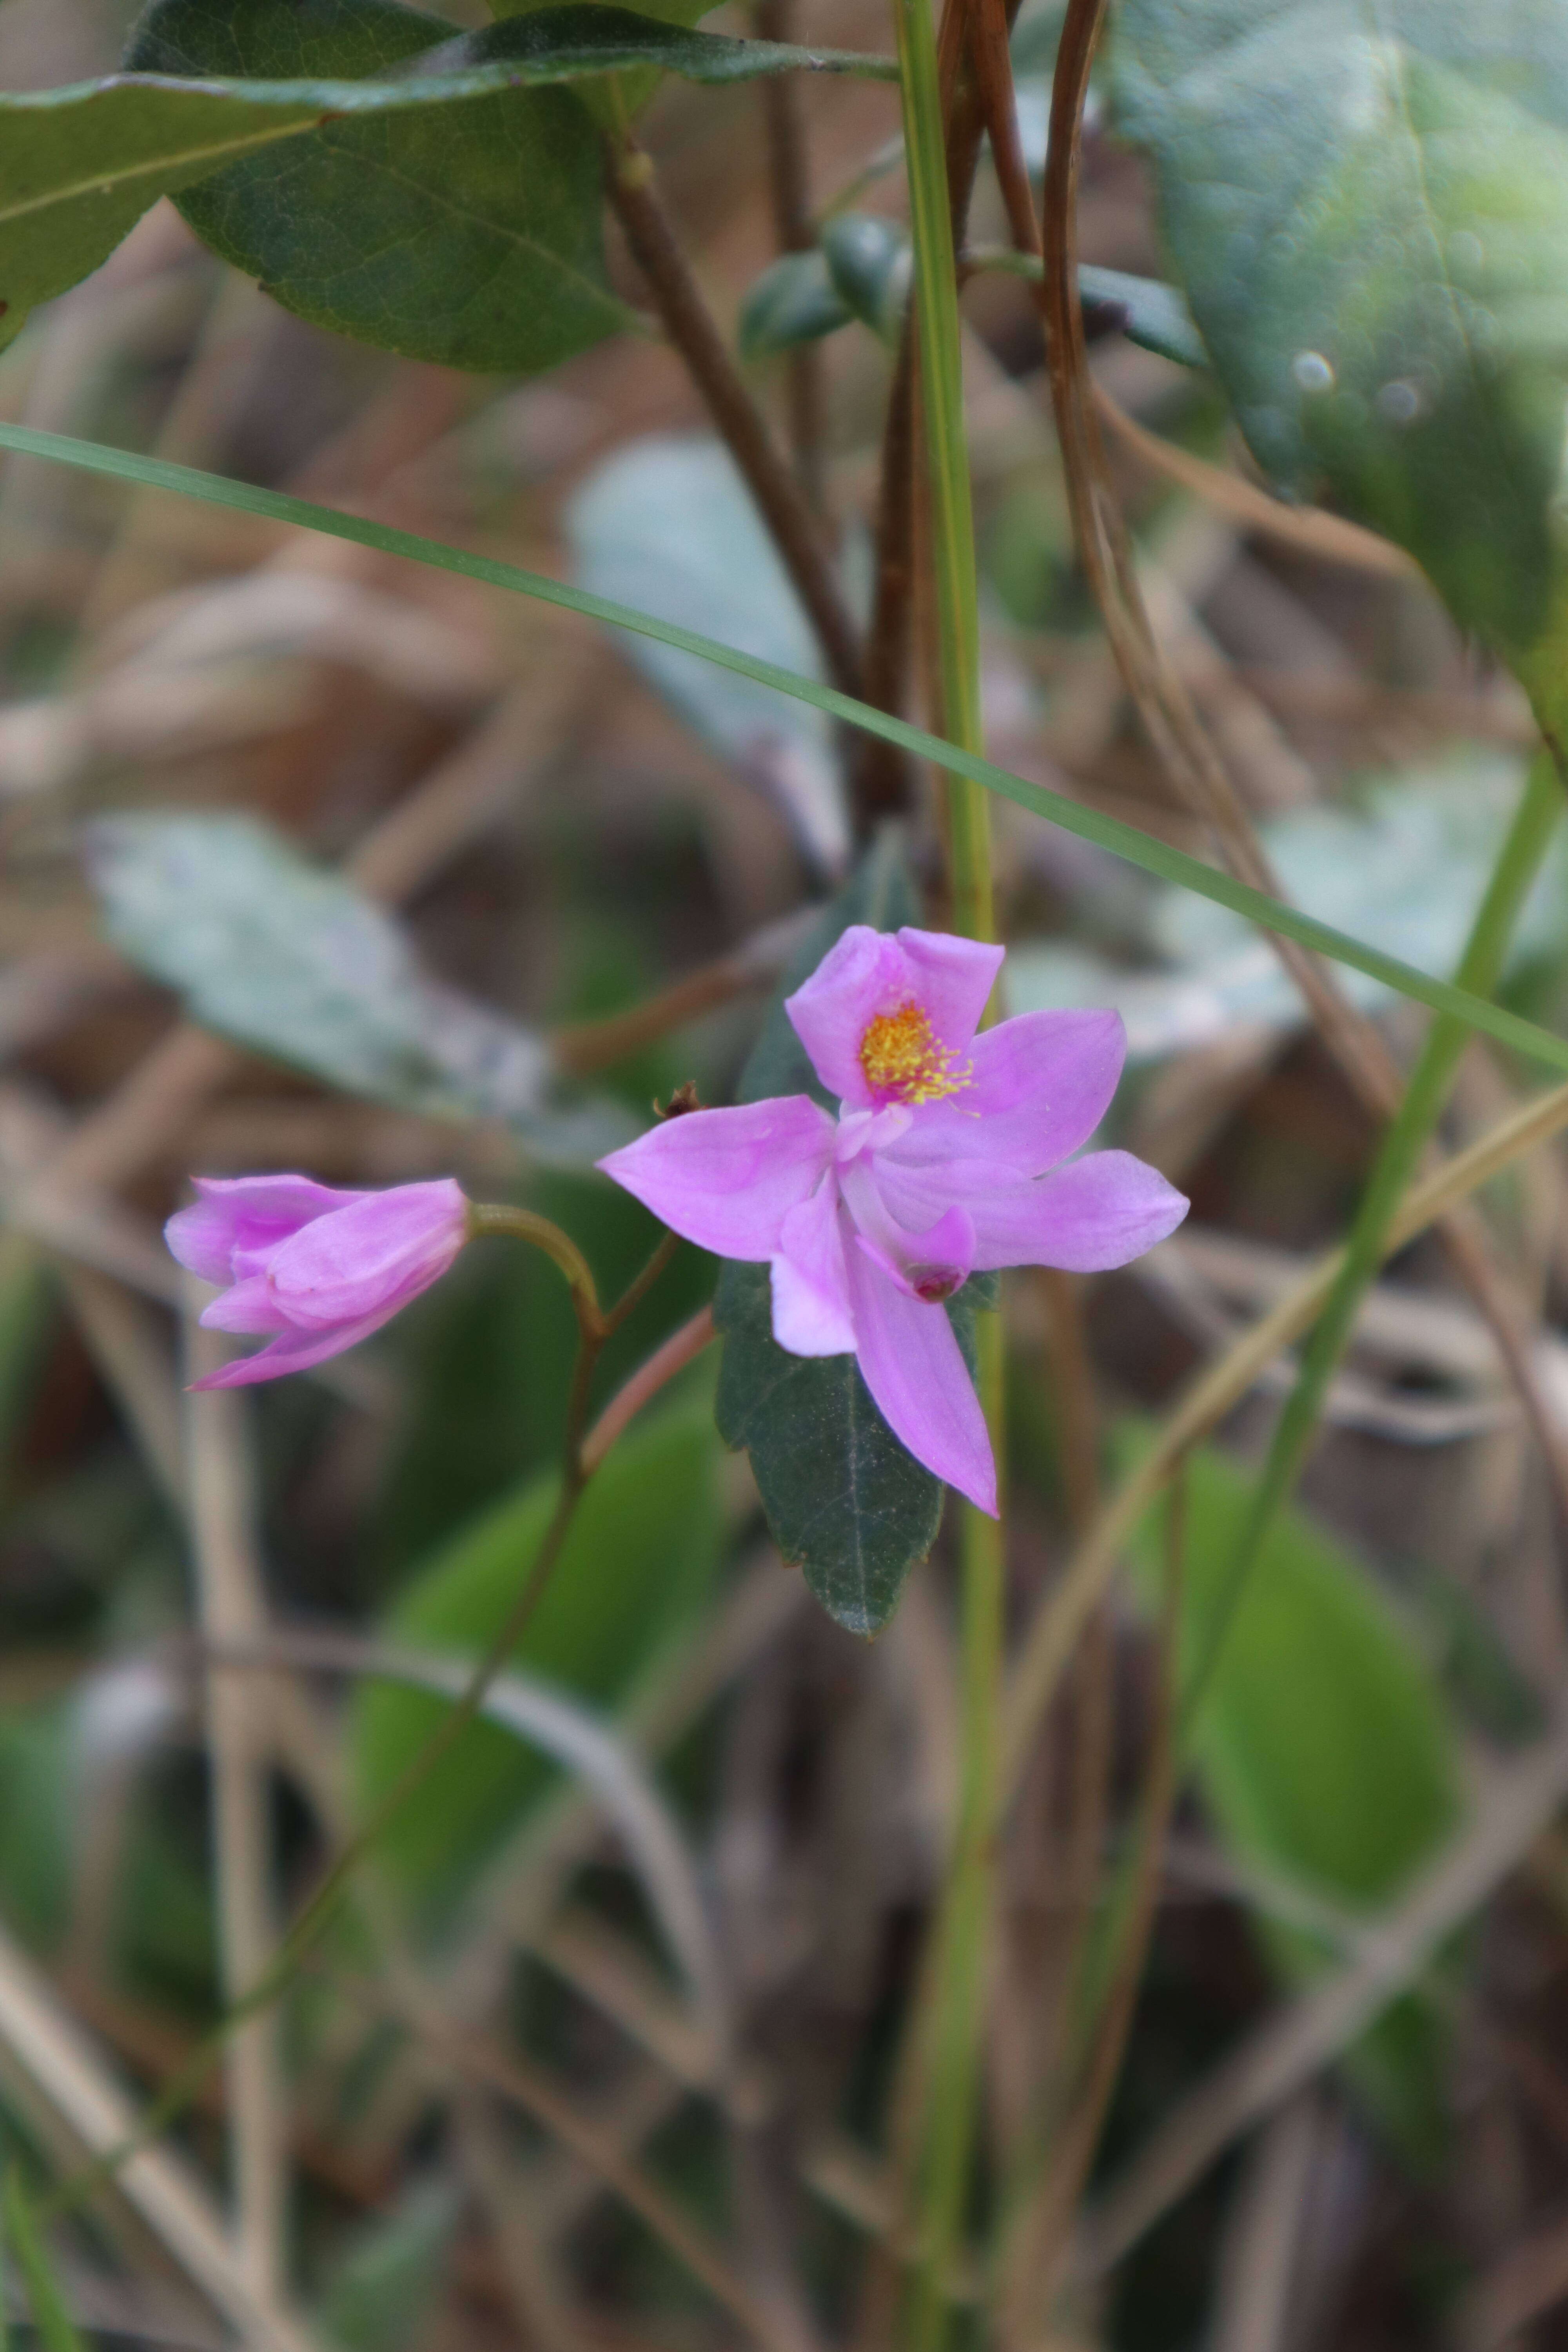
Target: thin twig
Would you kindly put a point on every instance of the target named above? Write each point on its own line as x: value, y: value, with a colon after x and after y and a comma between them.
x: 681, y: 1348
x: 518, y: 2080
x: 783, y: 111
x: 1285, y: 2053
x: 689, y: 324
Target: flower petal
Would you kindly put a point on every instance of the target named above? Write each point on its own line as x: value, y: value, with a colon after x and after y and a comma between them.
x: 915, y: 1370
x: 248, y: 1213
x: 247, y: 1306
x: 1041, y: 1083
x: 370, y: 1258
x: 954, y: 979
x: 293, y: 1351
x: 930, y: 1264
x: 728, y: 1178
x: 1098, y: 1211
x: 811, y: 1315
x: 863, y: 973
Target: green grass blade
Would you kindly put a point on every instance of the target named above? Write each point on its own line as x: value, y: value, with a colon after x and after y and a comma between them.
x: 52, y: 2323
x: 1123, y: 841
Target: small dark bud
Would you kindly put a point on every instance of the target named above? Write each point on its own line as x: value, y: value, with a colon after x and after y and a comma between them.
x: 682, y: 1100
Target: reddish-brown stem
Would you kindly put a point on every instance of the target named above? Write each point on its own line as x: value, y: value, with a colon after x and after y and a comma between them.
x: 681, y: 1348
x: 784, y: 116
x: 692, y: 329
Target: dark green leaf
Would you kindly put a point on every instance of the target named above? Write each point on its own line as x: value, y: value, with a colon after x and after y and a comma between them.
x: 845, y: 1501
x: 871, y: 263
x: 794, y: 301
x: 471, y: 239
x: 1367, y: 202
x: 286, y: 957
x: 79, y: 165
x: 1323, y: 1749
x: 637, y: 1564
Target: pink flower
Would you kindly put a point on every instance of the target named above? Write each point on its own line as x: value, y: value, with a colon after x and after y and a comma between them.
x: 319, y: 1269
x: 935, y: 1169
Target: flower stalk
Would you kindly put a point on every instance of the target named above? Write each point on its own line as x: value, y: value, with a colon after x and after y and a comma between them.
x: 956, y: 2018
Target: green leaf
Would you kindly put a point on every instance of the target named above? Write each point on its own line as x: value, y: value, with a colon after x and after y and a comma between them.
x: 638, y: 1562
x: 52, y: 2323
x: 1367, y: 202
x: 794, y: 301
x: 872, y: 264
x: 473, y: 239
x: 286, y: 957
x: 1128, y: 841
x: 1147, y: 310
x: 845, y: 1501
x: 1323, y: 1749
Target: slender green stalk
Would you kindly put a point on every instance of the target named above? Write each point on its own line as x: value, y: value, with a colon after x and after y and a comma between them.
x: 1408, y: 1133
x: 954, y: 2026
x: 951, y: 514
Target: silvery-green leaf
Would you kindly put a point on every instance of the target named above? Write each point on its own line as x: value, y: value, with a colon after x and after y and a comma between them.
x: 667, y: 524
x: 287, y: 959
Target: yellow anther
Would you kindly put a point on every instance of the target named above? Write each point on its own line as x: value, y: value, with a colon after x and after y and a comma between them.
x: 905, y: 1061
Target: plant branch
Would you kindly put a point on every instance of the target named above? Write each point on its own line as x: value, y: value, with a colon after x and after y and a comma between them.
x: 784, y: 114
x: 692, y: 329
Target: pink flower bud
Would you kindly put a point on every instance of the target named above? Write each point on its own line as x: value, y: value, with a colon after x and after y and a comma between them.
x: 318, y: 1269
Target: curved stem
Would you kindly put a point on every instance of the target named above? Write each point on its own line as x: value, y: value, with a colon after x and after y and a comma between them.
x: 523, y: 1225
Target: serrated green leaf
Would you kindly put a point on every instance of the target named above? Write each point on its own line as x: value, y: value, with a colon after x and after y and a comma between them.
x: 286, y: 957
x: 794, y: 301
x: 1367, y: 202
x: 637, y: 1564
x: 1323, y: 1750
x: 845, y: 1501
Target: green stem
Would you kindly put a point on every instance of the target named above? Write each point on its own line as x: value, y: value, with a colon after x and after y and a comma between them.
x: 947, y: 459
x: 953, y: 2025
x: 1408, y: 1133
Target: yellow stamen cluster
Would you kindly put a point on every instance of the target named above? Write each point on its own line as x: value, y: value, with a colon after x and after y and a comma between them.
x: 904, y: 1057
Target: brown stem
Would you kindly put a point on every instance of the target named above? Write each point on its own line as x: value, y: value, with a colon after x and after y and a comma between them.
x: 682, y: 1347
x: 882, y: 774
x: 690, y: 326
x: 785, y: 115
